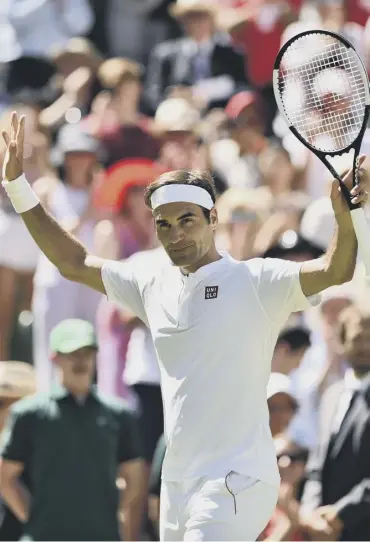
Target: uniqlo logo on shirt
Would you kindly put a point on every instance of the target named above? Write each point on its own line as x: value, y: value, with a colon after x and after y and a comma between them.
x: 211, y: 292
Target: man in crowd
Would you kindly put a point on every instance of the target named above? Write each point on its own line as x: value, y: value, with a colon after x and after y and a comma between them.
x: 202, y: 60
x: 74, y: 445
x: 335, y: 502
x: 17, y: 380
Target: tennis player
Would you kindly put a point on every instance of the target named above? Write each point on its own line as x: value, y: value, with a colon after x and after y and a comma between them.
x: 214, y: 321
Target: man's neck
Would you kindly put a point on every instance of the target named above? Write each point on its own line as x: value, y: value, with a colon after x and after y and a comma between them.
x: 79, y: 392
x: 199, y: 40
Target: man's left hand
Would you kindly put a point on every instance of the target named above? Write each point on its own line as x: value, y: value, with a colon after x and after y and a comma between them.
x: 359, y: 192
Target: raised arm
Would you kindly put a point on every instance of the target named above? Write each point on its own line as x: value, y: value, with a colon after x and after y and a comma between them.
x: 338, y: 264
x: 65, y: 251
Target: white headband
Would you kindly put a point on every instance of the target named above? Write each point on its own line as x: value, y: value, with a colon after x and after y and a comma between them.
x: 189, y: 193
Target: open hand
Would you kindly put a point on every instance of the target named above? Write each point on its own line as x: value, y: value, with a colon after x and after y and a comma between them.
x: 14, y: 140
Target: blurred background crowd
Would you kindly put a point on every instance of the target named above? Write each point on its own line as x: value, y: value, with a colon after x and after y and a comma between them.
x: 118, y: 91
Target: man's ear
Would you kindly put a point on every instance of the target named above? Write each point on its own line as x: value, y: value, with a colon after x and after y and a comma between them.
x: 213, y: 218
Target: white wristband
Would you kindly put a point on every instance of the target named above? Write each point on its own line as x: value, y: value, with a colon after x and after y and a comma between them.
x: 21, y: 194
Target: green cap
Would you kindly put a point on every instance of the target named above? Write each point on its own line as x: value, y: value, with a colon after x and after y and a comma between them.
x: 71, y: 335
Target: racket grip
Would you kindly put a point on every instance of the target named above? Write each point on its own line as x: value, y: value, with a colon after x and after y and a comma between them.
x: 362, y: 231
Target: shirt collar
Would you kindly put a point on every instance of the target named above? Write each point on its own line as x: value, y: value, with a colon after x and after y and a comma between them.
x: 190, y: 46
x: 60, y: 392
x: 207, y: 270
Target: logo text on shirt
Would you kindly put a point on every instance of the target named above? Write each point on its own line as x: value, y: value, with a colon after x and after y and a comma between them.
x: 211, y: 292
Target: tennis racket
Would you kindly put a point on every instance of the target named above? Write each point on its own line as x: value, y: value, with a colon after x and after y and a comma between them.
x: 322, y: 91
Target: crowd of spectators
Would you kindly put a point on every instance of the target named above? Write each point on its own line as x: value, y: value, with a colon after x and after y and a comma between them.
x: 116, y: 92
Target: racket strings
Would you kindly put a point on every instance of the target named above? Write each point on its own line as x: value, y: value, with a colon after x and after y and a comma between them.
x: 321, y: 86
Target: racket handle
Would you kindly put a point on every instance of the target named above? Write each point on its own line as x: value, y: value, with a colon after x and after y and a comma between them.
x: 362, y: 231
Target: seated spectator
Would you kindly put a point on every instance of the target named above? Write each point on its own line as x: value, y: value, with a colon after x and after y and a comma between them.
x: 282, y: 403
x: 116, y: 120
x: 69, y: 200
x: 176, y: 123
x: 291, y: 345
x: 17, y: 380
x: 277, y: 171
x: 336, y: 494
x: 284, y: 524
x: 240, y: 214
x: 246, y: 125
x: 19, y: 253
x: 322, y: 365
x: 31, y: 31
x: 128, y: 231
x: 252, y: 24
x: 73, y: 443
x: 203, y: 60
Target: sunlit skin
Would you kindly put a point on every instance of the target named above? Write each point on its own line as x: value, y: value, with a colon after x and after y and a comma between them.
x: 77, y: 369
x: 186, y: 235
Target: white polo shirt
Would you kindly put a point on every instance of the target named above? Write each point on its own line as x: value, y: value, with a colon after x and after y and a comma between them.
x: 214, y: 332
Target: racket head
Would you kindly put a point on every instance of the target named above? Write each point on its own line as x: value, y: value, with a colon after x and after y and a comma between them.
x: 322, y: 91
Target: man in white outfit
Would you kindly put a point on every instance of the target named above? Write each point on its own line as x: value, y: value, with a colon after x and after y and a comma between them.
x: 214, y: 322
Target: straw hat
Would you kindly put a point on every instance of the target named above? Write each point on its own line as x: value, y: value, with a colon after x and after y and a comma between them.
x: 17, y: 379
x: 79, y: 49
x: 183, y: 7
x: 176, y: 115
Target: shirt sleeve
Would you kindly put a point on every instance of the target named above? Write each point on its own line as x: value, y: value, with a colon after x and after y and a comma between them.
x: 121, y: 287
x: 129, y: 446
x: 15, y: 440
x: 278, y: 287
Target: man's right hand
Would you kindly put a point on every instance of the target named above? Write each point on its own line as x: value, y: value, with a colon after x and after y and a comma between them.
x: 14, y: 140
x: 318, y: 527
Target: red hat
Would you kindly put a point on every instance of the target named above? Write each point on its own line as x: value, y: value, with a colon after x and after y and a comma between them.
x: 239, y: 102
x: 111, y: 190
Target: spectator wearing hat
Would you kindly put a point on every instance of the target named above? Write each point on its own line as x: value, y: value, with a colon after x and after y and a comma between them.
x: 74, y: 444
x: 77, y: 63
x: 183, y: 137
x: 122, y: 130
x: 17, y: 380
x: 69, y: 200
x: 203, y: 59
x: 30, y: 34
x: 129, y: 230
x: 245, y: 121
x: 176, y: 123
x: 282, y: 402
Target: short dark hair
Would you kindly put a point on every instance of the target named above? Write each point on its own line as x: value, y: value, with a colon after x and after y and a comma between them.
x: 296, y: 338
x: 203, y: 179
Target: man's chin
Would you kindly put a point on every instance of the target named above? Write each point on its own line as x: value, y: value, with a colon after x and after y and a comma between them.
x: 181, y: 258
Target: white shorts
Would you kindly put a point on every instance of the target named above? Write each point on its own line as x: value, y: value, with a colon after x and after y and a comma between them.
x: 18, y: 251
x: 235, y: 507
